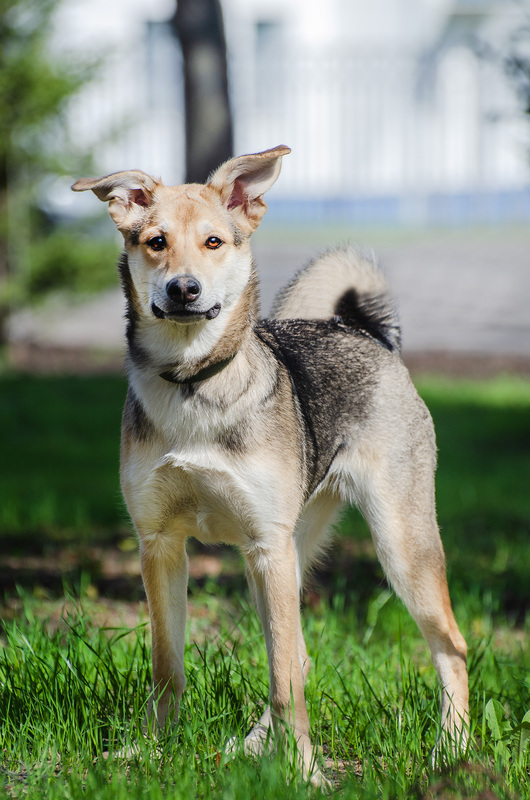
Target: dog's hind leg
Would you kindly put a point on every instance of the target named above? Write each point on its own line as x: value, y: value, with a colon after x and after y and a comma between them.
x: 396, y: 495
x: 165, y: 575
x: 260, y: 738
x: 272, y: 577
x: 309, y: 535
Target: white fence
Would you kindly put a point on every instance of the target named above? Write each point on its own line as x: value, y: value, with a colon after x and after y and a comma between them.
x: 364, y: 125
x: 380, y: 123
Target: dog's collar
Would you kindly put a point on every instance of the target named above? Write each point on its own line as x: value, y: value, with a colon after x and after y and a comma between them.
x: 201, y: 375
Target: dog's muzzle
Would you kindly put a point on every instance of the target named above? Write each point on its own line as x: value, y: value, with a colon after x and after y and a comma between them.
x: 183, y: 301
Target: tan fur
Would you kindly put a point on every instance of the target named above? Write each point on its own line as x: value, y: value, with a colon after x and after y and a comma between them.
x: 231, y: 457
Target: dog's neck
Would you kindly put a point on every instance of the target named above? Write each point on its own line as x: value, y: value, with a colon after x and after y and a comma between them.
x: 172, y: 376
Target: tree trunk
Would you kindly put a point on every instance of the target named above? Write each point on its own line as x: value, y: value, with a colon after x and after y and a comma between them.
x: 199, y: 27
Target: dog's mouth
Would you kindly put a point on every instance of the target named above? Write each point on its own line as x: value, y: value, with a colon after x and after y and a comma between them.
x: 185, y: 313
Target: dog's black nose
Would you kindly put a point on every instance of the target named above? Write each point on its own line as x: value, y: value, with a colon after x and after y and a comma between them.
x: 183, y: 289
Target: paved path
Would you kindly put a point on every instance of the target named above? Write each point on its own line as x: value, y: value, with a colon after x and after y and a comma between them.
x: 457, y: 292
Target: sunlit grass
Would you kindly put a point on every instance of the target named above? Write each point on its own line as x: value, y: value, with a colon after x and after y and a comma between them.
x: 72, y: 692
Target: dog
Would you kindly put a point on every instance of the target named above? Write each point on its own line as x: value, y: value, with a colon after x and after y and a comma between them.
x: 256, y: 433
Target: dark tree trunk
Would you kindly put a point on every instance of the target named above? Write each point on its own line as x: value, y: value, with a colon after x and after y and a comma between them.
x: 199, y: 27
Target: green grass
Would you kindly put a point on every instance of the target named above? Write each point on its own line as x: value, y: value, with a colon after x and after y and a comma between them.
x: 71, y: 689
x: 68, y: 695
x: 60, y: 445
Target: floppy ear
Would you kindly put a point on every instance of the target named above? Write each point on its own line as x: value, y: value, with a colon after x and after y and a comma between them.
x: 127, y: 193
x: 242, y: 181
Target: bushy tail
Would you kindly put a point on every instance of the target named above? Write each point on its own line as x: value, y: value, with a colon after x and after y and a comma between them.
x: 346, y: 283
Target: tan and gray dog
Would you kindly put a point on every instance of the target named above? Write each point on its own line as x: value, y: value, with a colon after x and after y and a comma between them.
x: 256, y: 433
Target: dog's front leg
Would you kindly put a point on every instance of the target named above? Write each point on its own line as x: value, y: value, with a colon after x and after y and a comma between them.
x: 165, y: 575
x: 272, y: 574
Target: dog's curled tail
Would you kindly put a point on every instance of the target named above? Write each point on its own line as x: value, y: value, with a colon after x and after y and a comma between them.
x: 346, y: 283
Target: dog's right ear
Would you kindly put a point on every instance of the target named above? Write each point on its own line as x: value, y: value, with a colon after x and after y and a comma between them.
x: 127, y: 193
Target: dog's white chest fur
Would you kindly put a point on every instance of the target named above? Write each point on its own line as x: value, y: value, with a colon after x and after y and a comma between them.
x: 191, y: 493
x: 185, y: 479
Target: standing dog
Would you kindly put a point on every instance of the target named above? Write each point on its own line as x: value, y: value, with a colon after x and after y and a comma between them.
x: 256, y: 433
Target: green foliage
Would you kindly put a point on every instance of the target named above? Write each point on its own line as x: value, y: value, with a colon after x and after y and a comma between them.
x: 66, y: 261
x: 59, y: 474
x: 509, y: 741
x: 34, y: 85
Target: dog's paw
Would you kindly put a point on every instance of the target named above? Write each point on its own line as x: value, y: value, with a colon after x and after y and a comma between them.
x: 320, y: 781
x: 307, y: 759
x: 449, y: 748
x: 128, y: 753
x: 258, y: 742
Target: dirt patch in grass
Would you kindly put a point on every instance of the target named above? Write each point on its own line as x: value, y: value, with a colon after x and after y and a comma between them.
x: 113, y: 571
x: 108, y: 579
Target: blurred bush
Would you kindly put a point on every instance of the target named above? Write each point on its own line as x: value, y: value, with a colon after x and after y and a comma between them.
x: 36, y: 84
x: 64, y: 261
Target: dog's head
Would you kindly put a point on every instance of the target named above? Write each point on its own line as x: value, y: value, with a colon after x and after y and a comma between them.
x: 187, y: 246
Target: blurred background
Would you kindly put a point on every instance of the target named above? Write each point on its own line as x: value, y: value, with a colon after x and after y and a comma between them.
x: 397, y: 111
x: 410, y: 133
x: 409, y: 128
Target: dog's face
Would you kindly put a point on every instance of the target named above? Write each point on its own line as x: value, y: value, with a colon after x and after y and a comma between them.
x: 184, y: 253
x: 188, y: 246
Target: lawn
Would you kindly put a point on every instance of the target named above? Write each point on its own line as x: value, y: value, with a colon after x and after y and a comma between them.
x: 74, y: 639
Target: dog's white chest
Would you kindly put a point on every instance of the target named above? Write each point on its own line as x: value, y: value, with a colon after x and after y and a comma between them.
x: 195, y: 494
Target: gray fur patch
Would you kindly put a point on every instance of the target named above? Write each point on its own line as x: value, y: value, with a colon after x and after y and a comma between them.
x: 333, y: 372
x: 136, y: 352
x: 135, y: 420
x: 134, y: 235
x: 233, y: 440
x: 238, y: 235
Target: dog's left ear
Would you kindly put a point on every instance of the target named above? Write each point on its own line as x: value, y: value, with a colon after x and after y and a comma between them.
x: 127, y: 193
x: 243, y: 181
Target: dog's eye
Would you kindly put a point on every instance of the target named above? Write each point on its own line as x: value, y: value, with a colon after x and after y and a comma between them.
x: 157, y: 243
x: 213, y: 242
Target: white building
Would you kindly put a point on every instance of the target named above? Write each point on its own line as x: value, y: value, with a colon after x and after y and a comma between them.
x: 389, y: 112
